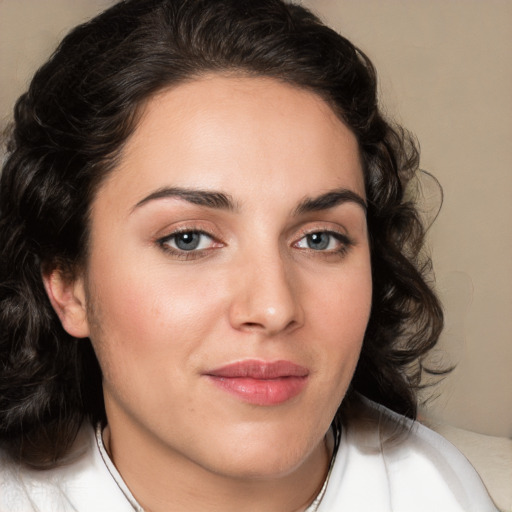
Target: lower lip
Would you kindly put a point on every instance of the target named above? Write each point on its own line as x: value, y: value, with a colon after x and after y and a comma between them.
x: 261, y: 391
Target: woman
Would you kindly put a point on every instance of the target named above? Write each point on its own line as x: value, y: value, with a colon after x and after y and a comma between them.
x: 207, y: 257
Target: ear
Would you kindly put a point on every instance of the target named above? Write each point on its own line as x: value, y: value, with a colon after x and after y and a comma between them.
x: 68, y: 298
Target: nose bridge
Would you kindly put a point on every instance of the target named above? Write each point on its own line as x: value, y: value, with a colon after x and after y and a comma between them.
x: 266, y: 295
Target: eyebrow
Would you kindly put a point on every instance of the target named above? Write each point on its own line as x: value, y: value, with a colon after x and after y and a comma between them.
x: 329, y: 200
x: 222, y: 201
x: 210, y: 199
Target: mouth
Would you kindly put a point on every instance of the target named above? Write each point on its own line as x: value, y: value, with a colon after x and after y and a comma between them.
x: 259, y: 382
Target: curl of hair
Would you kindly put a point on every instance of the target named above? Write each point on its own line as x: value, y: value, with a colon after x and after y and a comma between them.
x: 69, y: 129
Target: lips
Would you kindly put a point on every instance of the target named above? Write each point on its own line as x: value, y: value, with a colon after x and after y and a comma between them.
x: 261, y: 383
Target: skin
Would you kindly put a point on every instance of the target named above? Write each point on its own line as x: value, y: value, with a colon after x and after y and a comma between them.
x: 160, y: 318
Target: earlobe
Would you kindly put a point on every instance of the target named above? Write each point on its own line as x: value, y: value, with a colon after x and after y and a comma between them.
x: 68, y: 299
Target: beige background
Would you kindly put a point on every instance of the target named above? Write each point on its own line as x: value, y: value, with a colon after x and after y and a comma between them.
x: 445, y: 73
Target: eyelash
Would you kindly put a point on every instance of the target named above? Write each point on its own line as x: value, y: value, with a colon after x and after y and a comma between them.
x: 345, y: 243
x: 182, y: 253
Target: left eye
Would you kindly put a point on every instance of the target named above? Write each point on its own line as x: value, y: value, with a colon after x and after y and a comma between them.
x: 188, y: 241
x: 320, y: 241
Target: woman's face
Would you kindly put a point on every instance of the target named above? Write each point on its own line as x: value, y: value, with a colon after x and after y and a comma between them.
x: 228, y: 286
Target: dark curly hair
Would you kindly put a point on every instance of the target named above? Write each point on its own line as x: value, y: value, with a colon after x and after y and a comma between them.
x: 69, y: 129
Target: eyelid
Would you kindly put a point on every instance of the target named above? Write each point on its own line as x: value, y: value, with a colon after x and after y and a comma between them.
x: 188, y: 225
x: 342, y: 239
x: 322, y: 228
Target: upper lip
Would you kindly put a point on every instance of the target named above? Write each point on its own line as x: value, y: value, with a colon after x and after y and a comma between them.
x: 262, y: 370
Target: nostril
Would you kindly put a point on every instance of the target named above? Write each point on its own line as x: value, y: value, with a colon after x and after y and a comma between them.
x: 253, y: 325
x: 267, y: 326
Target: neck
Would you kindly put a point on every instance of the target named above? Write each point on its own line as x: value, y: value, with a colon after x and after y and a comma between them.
x: 161, y: 479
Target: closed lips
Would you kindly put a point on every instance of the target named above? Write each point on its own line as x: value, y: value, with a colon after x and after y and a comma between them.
x: 261, y: 383
x: 260, y: 370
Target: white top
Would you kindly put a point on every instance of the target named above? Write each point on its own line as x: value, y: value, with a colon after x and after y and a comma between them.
x: 375, y: 470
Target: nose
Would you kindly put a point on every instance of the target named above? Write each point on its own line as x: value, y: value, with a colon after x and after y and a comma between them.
x: 266, y: 297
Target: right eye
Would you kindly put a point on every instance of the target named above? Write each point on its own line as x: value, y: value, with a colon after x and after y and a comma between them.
x: 187, y: 243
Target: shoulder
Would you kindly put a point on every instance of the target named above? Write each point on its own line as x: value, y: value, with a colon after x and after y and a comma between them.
x: 388, y: 462
x: 81, y: 483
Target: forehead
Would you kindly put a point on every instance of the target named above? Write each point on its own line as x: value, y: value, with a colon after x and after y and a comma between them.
x: 240, y: 134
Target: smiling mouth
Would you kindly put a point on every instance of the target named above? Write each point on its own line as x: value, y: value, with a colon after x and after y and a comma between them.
x: 261, y: 383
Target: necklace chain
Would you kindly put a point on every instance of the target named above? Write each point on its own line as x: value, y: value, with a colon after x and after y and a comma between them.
x: 313, y: 507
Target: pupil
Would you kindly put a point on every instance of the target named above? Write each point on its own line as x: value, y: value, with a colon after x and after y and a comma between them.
x: 318, y: 241
x: 187, y: 241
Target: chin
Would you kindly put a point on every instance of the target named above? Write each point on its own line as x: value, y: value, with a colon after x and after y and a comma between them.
x: 259, y: 468
x: 266, y: 459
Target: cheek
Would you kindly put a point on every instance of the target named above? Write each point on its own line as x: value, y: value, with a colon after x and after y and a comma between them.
x: 341, y: 316
x: 142, y: 315
x: 343, y: 304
